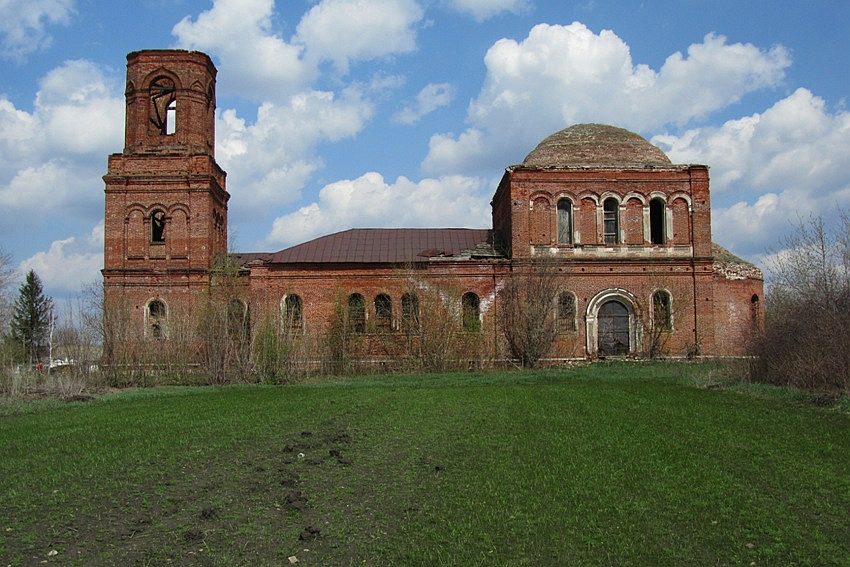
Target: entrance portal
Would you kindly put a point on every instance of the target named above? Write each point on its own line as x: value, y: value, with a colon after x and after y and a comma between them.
x: 613, y: 328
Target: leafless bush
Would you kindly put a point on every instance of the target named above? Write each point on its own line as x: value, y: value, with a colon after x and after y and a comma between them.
x: 806, y: 338
x: 527, y: 313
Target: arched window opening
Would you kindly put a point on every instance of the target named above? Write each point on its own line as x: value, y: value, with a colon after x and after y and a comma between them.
x: 611, y: 221
x: 238, y: 324
x: 471, y: 312
x: 163, y: 97
x: 158, y: 226
x: 754, y: 308
x: 662, y: 311
x: 356, y: 313
x: 292, y: 313
x: 409, y: 313
x: 156, y: 319
x: 565, y: 222
x: 171, y: 118
x: 657, y: 232
x: 383, y: 312
x: 566, y: 312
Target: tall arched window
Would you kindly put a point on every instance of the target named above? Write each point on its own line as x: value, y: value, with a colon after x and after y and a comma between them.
x: 657, y: 228
x: 356, y: 313
x: 409, y: 313
x: 565, y: 222
x: 471, y: 312
x: 158, y: 226
x: 157, y: 317
x: 566, y: 312
x: 662, y: 313
x: 293, y: 318
x: 611, y: 221
x: 383, y: 312
x: 754, y: 309
x: 163, y: 93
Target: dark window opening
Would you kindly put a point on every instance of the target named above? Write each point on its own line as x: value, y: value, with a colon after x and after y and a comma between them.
x: 661, y: 311
x: 565, y: 222
x: 471, y: 312
x: 410, y: 313
x: 611, y: 221
x: 657, y: 211
x: 754, y: 307
x: 157, y: 226
x: 293, y: 315
x: 566, y: 312
x: 156, y: 319
x: 356, y: 313
x: 383, y: 312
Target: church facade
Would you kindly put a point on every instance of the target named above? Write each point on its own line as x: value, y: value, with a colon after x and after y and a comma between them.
x: 623, y: 233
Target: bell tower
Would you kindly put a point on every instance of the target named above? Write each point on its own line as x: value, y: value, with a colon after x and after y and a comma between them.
x: 166, y: 201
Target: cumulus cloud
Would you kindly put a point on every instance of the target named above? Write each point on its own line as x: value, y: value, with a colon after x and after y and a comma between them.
x: 482, y: 10
x: 429, y: 99
x: 771, y: 168
x: 68, y: 264
x: 271, y: 160
x: 343, y: 31
x: 23, y: 25
x: 370, y: 201
x: 561, y: 75
x: 254, y: 61
x: 53, y: 157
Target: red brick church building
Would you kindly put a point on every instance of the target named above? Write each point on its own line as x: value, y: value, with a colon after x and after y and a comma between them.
x: 625, y: 232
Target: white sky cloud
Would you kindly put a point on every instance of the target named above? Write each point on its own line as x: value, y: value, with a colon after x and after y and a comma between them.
x: 69, y: 264
x: 343, y: 31
x: 429, y: 99
x: 481, y: 10
x: 370, y: 201
x: 561, y: 75
x: 23, y: 24
x: 776, y: 166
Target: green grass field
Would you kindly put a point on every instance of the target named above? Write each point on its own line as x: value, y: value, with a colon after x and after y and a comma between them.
x: 623, y: 464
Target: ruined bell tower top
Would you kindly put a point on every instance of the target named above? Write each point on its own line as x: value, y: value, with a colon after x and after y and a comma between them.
x: 170, y: 96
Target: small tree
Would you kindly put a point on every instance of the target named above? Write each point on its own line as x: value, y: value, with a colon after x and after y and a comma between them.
x: 527, y: 316
x: 31, y: 317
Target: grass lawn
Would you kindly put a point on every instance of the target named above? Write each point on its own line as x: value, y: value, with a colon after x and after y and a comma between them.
x: 621, y: 464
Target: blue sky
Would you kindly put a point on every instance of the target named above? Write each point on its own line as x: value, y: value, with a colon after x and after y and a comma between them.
x: 341, y: 113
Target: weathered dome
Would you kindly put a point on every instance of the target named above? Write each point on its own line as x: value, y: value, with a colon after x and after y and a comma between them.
x: 595, y: 145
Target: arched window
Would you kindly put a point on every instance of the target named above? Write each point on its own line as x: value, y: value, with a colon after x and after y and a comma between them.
x: 566, y: 312
x: 754, y: 308
x: 238, y: 324
x: 611, y: 221
x: 409, y: 313
x: 662, y: 315
x: 383, y: 312
x: 292, y: 313
x: 657, y: 228
x: 157, y: 316
x: 471, y: 312
x: 163, y: 96
x: 158, y: 226
x: 356, y: 313
x: 565, y: 222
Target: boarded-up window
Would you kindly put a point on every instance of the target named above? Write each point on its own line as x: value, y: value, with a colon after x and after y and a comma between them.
x: 681, y: 222
x: 633, y: 222
x: 565, y: 222
x: 178, y: 240
x: 588, y: 227
x: 540, y: 222
x: 136, y: 237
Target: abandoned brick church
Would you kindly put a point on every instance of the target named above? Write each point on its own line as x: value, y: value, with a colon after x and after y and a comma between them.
x: 626, y: 233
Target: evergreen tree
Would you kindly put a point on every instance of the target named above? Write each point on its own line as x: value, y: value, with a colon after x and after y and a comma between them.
x: 31, y: 317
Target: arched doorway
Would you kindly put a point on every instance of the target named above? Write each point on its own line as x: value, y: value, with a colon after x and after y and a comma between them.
x: 613, y: 321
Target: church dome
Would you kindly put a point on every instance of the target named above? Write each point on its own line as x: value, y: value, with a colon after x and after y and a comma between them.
x: 595, y: 145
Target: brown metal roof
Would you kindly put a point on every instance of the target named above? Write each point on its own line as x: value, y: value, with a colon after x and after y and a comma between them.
x: 386, y: 245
